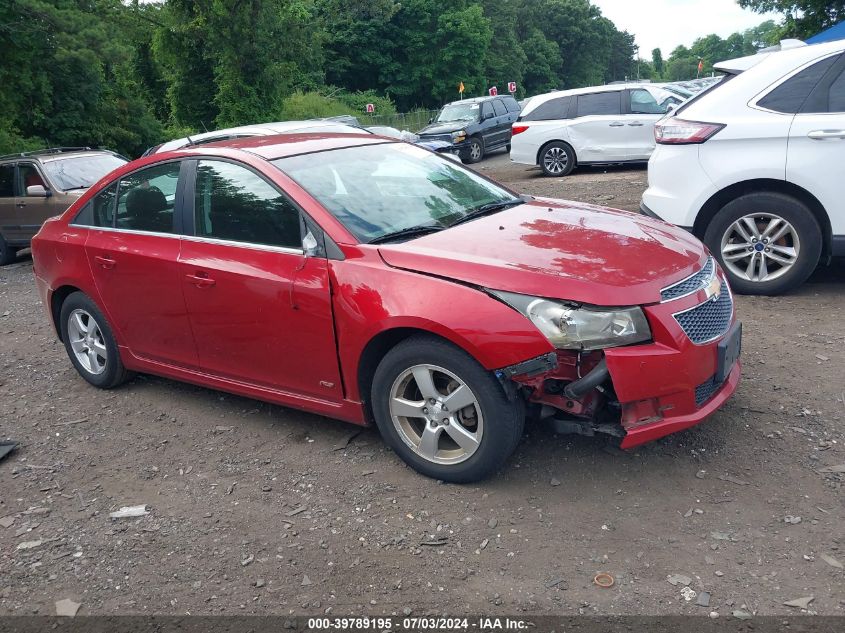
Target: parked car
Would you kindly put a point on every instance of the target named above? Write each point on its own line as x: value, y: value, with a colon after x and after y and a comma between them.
x: 371, y: 280
x: 589, y: 126
x: 753, y: 166
x: 474, y: 127
x: 343, y: 124
x: 37, y: 185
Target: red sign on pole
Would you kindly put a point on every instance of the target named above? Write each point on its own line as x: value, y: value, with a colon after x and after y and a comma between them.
x: 493, y: 91
x: 371, y: 108
x: 511, y: 87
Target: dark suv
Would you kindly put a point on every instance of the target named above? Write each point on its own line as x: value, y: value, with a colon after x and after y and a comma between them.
x: 474, y: 126
x: 37, y: 185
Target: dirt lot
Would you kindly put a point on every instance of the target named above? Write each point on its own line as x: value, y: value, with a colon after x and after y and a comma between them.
x: 263, y: 510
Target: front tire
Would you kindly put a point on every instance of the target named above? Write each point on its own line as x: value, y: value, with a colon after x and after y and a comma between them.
x: 475, y: 152
x: 557, y: 159
x: 767, y: 243
x: 444, y: 414
x: 90, y: 343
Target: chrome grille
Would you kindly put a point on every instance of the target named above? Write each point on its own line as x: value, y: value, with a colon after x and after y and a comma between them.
x: 709, y: 320
x: 689, y: 285
x: 706, y: 390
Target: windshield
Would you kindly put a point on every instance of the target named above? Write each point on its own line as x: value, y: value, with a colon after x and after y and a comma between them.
x: 376, y: 190
x: 80, y: 172
x: 458, y: 112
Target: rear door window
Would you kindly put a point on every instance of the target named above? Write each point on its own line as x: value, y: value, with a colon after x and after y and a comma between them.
x: 550, y: 110
x: 499, y: 108
x: 146, y: 199
x: 99, y: 211
x: 836, y: 94
x: 600, y: 103
x: 790, y: 96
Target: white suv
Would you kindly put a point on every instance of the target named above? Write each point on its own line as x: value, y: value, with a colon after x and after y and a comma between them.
x: 755, y: 165
x: 601, y: 124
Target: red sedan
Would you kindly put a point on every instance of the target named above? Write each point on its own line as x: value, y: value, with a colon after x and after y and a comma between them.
x: 373, y: 281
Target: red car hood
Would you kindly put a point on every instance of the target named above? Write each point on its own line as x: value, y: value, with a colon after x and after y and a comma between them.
x: 558, y: 249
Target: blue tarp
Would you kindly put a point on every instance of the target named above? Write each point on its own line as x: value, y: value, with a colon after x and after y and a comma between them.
x: 835, y: 32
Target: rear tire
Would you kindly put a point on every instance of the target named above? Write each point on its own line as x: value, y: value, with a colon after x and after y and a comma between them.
x: 458, y: 424
x: 90, y: 343
x: 557, y: 159
x: 767, y: 243
x: 7, y: 254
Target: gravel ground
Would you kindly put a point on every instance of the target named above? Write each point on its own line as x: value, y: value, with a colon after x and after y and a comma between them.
x: 257, y: 509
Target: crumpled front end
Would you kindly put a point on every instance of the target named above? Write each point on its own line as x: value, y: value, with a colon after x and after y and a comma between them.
x: 645, y: 391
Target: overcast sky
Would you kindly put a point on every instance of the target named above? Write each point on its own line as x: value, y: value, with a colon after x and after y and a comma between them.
x: 666, y: 24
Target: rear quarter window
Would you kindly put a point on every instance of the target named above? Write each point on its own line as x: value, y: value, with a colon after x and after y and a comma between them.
x: 550, y: 110
x: 790, y: 96
x: 511, y: 104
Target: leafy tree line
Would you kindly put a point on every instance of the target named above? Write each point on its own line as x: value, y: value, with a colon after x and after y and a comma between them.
x: 126, y: 74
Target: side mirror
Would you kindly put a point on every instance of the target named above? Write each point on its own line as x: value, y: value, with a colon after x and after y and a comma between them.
x: 431, y: 120
x: 672, y: 107
x: 37, y: 191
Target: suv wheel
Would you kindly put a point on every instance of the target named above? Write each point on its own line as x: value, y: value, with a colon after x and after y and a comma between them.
x: 475, y: 152
x: 442, y: 412
x: 767, y: 243
x: 557, y: 159
x: 7, y: 253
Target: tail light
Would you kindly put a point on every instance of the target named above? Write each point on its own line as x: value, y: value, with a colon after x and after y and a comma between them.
x: 518, y: 129
x: 674, y: 131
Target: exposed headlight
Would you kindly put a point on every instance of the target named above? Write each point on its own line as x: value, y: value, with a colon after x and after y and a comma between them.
x: 459, y: 136
x: 578, y: 327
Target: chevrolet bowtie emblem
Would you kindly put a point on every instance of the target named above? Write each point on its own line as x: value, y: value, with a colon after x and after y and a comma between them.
x: 713, y: 289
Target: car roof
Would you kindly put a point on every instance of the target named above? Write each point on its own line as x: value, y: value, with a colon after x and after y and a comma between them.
x: 788, y: 57
x: 284, y: 145
x: 536, y: 100
x: 46, y: 156
x: 258, y: 129
x: 480, y: 99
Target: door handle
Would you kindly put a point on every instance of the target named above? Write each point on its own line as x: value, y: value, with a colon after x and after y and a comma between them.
x: 105, y: 262
x: 20, y: 204
x: 820, y: 135
x: 201, y: 280
x: 616, y: 124
x: 635, y: 124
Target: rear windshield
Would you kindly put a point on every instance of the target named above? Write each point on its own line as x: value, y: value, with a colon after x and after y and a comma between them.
x: 80, y: 172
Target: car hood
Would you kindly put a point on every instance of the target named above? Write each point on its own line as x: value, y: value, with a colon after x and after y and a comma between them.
x: 560, y: 250
x: 446, y: 127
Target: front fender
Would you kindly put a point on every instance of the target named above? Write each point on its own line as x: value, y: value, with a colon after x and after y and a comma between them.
x: 370, y: 298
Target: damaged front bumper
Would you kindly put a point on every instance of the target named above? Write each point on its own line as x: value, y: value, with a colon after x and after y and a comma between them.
x: 639, y: 392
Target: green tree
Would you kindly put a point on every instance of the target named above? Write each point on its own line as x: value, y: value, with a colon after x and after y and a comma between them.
x: 657, y: 62
x: 802, y: 18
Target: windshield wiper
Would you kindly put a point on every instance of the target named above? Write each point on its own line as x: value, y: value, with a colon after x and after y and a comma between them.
x: 487, y: 209
x: 412, y: 231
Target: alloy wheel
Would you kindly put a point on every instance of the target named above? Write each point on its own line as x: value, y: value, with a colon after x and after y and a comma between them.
x: 475, y: 151
x: 87, y: 342
x: 760, y: 247
x: 555, y: 160
x: 436, y: 414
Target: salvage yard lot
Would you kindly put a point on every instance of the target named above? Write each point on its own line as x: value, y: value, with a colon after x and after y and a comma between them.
x: 259, y: 509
